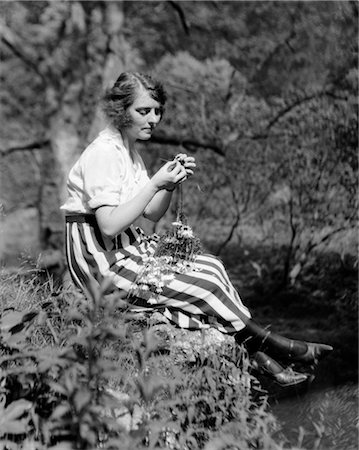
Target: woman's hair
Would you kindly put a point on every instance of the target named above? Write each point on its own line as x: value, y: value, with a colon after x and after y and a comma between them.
x: 120, y: 97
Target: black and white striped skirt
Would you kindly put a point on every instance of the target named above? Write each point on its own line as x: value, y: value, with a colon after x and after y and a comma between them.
x: 196, y: 299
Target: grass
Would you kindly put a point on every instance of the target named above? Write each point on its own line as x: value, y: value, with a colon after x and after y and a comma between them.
x: 85, y: 373
x: 80, y: 373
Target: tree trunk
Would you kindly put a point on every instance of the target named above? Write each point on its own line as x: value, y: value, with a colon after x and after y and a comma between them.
x: 69, y: 133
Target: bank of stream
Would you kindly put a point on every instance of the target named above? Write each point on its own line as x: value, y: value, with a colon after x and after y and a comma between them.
x: 324, y: 419
x: 323, y: 415
x: 320, y: 307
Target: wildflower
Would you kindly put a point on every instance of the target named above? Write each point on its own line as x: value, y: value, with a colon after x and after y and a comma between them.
x: 185, y: 231
x: 175, y: 253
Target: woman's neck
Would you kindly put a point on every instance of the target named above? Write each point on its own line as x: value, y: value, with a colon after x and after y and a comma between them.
x: 128, y: 142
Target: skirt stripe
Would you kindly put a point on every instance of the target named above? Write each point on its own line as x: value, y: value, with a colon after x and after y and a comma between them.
x: 84, y: 261
x: 194, y: 300
x: 229, y: 300
x: 207, y: 297
x: 210, y: 272
x: 78, y: 262
x: 74, y: 270
x: 230, y: 290
x: 216, y: 264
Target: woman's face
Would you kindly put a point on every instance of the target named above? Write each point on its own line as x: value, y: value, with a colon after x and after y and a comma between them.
x: 144, y: 114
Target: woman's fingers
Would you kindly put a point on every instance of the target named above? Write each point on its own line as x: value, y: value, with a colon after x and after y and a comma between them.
x: 171, y: 165
x: 184, y: 176
x: 184, y: 159
x: 180, y: 168
x: 189, y: 164
x: 181, y: 157
x: 180, y: 174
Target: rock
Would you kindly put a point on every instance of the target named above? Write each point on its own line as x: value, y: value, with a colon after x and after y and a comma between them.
x: 49, y: 259
x: 130, y: 420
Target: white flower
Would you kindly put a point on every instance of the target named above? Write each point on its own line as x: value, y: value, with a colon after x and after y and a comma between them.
x: 169, y: 277
x: 185, y: 231
x: 152, y: 301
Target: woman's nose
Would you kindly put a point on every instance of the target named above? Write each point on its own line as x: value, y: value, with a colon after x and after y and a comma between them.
x: 154, y: 117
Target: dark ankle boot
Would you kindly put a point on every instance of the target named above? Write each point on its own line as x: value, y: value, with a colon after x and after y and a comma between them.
x: 313, y: 354
x: 256, y: 338
x: 271, y: 368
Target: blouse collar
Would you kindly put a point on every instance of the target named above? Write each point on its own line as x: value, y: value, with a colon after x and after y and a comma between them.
x: 113, y: 132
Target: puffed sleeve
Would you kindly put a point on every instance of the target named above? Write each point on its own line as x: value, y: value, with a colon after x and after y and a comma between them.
x: 104, y: 170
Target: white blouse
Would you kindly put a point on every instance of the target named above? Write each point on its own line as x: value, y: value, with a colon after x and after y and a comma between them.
x: 105, y: 175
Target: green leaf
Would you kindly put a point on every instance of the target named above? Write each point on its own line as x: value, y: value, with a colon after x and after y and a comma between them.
x: 16, y: 409
x: 57, y: 387
x: 9, y: 445
x: 62, y: 446
x: 81, y: 399
x: 29, y: 316
x: 60, y: 411
x: 10, y: 421
x: 13, y: 426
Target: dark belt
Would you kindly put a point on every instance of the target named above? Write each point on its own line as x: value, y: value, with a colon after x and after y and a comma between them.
x: 81, y: 218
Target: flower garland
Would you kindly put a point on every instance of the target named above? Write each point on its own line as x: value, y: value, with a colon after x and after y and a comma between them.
x: 175, y: 252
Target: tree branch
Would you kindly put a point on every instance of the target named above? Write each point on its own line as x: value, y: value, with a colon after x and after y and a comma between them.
x: 312, y: 245
x: 10, y: 40
x: 162, y: 139
x: 181, y: 15
x: 269, y: 57
x: 298, y: 102
x: 354, y: 7
x: 189, y: 144
x: 237, y: 217
x: 31, y: 145
x: 230, y: 234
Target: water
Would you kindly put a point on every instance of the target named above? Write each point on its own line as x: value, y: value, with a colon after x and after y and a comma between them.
x: 329, y: 417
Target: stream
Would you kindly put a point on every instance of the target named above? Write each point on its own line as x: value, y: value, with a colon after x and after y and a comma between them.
x: 321, y: 419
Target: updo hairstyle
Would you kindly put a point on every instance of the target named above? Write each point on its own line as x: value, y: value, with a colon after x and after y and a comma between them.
x: 120, y: 97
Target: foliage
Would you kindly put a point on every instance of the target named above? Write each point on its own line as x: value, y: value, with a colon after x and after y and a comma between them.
x: 94, y: 382
x: 270, y: 108
x: 292, y: 179
x: 264, y: 93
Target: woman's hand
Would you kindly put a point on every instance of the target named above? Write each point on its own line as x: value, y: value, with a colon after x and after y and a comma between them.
x: 169, y: 175
x: 188, y: 162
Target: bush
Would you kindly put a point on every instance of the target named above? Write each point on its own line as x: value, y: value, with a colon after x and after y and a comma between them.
x: 82, y: 373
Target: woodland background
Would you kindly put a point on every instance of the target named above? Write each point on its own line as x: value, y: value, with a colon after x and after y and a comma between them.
x: 264, y: 94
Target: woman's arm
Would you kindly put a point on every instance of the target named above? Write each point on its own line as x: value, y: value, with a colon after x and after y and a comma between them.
x: 115, y: 219
x: 158, y: 205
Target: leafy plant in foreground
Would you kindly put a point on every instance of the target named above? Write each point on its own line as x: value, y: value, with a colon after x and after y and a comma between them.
x: 97, y: 382
x: 62, y: 388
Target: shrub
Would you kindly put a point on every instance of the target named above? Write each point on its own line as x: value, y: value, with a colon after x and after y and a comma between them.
x: 81, y: 373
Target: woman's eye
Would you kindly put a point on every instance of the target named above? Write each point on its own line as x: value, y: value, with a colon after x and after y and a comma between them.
x: 143, y: 111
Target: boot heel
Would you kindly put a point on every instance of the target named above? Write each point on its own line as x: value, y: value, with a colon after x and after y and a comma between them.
x: 272, y: 369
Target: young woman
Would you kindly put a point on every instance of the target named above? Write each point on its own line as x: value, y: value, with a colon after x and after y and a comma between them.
x: 109, y: 189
